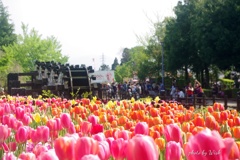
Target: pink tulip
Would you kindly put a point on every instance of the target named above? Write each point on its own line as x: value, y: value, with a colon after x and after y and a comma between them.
x: 64, y: 148
x: 39, y: 149
x: 121, y: 134
x: 208, y: 145
x: 22, y: 134
x: 141, y: 128
x: 7, y: 108
x: 9, y: 156
x: 43, y: 133
x: 173, y: 151
x: 19, y: 113
x: 85, y: 146
x: 172, y: 132
x: 71, y: 129
x: 26, y: 119
x: 110, y: 140
x: 27, y: 156
x: 48, y: 155
x: 93, y: 119
x: 65, y: 120
x: 4, y: 133
x: 142, y: 147
x: 118, y: 148
x: 34, y: 136
x: 99, y: 137
x: 90, y: 157
x: 1, y: 112
x: 97, y: 128
x: 12, y: 146
x: 86, y: 127
x: 58, y: 125
x: 104, y: 150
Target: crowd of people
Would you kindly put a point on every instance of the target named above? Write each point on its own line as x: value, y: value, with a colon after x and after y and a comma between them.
x: 153, y: 89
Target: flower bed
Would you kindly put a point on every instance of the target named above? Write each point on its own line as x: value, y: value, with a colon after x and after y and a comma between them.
x: 84, y: 129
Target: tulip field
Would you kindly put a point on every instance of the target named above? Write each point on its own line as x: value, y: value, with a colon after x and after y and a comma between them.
x: 90, y: 129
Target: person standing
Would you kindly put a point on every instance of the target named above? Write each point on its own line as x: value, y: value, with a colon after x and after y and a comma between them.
x: 189, y: 91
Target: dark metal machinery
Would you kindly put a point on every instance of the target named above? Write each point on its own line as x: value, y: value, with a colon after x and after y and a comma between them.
x: 61, y: 80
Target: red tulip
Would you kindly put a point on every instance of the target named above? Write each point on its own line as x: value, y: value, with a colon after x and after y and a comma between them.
x: 97, y: 128
x: 142, y: 147
x: 85, y: 146
x: 141, y: 128
x: 172, y: 132
x: 64, y: 148
x: 208, y: 145
x: 173, y: 151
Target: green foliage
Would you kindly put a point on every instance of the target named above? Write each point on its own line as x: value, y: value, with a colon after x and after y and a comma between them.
x: 48, y: 94
x: 30, y: 46
x: 122, y: 71
x: 7, y: 35
x: 86, y: 94
x: 227, y: 83
x: 75, y: 95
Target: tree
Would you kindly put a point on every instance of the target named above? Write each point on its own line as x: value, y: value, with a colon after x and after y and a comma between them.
x: 125, y: 56
x: 7, y: 35
x: 115, y: 64
x: 121, y: 72
x: 104, y: 67
x: 30, y: 46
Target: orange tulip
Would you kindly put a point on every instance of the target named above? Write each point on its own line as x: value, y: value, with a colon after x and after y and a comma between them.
x: 210, y: 109
x: 114, y: 124
x: 199, y: 121
x: 227, y: 135
x: 160, y: 143
x: 216, y: 115
x: 236, y: 121
x: 185, y: 127
x: 224, y: 115
x: 230, y: 123
x: 122, y: 120
x: 154, y: 112
x: 236, y: 132
x: 197, y: 129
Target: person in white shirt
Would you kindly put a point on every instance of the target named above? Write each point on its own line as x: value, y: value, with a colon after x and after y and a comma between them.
x: 180, y: 93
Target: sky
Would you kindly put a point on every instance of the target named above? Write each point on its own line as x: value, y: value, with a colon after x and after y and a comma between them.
x: 91, y: 32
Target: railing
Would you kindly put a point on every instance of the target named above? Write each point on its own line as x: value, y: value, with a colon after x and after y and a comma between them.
x: 205, y: 101
x: 187, y: 101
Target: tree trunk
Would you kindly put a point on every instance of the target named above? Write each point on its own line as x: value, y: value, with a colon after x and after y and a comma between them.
x: 207, y: 77
x: 186, y: 74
